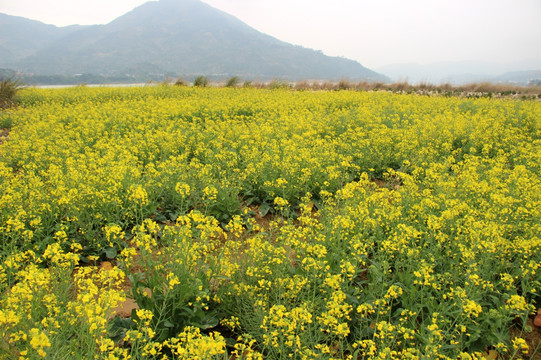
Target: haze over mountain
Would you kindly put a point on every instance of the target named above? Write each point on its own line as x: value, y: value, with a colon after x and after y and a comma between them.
x: 461, y: 72
x: 184, y: 37
x: 20, y: 37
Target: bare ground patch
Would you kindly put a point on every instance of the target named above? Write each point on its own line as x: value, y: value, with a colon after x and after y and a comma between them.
x: 4, y: 135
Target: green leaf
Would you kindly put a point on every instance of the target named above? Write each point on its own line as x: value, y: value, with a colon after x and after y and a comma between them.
x: 168, y: 324
x: 159, y: 217
x: 264, y: 208
x: 118, y: 328
x: 230, y: 342
x: 110, y: 252
x: 208, y: 322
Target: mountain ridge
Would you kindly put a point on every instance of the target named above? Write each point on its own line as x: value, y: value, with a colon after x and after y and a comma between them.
x: 183, y: 37
x: 462, y: 72
x: 27, y: 35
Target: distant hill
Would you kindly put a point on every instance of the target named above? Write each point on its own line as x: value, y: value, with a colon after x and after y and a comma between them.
x: 462, y: 72
x: 185, y: 37
x: 531, y: 77
x: 20, y: 37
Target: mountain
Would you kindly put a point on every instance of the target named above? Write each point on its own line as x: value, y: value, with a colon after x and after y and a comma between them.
x: 531, y: 77
x: 20, y: 37
x: 457, y: 73
x: 185, y: 37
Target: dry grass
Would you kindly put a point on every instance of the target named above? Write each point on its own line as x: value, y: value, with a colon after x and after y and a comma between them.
x: 303, y: 85
x: 482, y: 89
x: 8, y: 92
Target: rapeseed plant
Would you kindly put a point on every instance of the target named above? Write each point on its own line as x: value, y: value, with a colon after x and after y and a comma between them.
x: 268, y: 224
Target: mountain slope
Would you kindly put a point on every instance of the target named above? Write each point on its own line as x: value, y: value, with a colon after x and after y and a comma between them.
x: 457, y: 73
x: 530, y: 77
x: 20, y: 37
x: 186, y: 37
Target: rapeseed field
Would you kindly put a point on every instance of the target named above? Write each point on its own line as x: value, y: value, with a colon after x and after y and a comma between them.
x: 269, y: 224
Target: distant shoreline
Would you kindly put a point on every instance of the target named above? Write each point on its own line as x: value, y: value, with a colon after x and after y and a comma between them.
x: 62, y: 86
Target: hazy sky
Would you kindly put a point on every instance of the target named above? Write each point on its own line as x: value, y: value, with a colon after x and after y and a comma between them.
x: 375, y: 32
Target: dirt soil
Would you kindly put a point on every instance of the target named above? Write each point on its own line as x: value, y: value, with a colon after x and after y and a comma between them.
x: 533, y: 338
x: 4, y: 135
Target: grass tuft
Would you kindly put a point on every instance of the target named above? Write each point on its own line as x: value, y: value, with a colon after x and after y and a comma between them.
x: 201, y: 81
x: 8, y: 91
x: 180, y: 82
x: 232, y: 81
